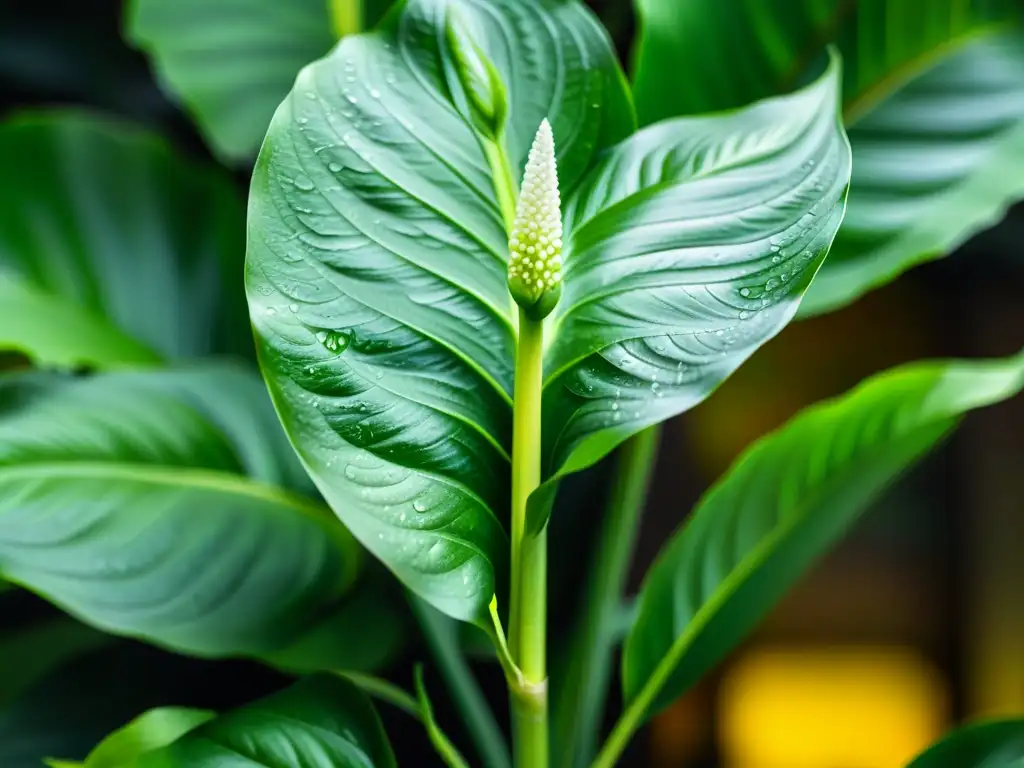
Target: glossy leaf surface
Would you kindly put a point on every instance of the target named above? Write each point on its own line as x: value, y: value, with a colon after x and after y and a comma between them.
x: 141, y: 503
x: 321, y: 722
x: 116, y: 250
x: 784, y: 502
x: 932, y: 98
x: 992, y: 744
x: 376, y: 269
x: 688, y: 246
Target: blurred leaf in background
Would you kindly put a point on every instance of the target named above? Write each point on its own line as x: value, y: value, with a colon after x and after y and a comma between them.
x: 113, y: 250
x: 933, y: 100
x: 231, y: 62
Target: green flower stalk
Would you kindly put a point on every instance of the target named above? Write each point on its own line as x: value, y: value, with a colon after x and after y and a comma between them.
x: 535, y: 244
x: 535, y: 282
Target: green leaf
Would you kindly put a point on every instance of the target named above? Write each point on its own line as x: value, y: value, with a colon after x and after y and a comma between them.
x: 933, y: 98
x: 149, y: 731
x: 688, y: 247
x: 231, y: 62
x: 126, y: 501
x: 115, y: 249
x: 784, y: 502
x: 933, y: 165
x: 36, y: 324
x: 991, y: 744
x: 320, y: 722
x: 376, y: 270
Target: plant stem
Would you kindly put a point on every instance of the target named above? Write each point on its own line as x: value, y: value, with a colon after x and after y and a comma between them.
x: 440, y: 634
x: 383, y: 690
x: 346, y: 17
x: 528, y: 608
x: 442, y: 744
x: 582, y: 698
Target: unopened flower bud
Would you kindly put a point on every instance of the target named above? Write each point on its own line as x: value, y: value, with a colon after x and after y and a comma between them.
x: 535, y: 243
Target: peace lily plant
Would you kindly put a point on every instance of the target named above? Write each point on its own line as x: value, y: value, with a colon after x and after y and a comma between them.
x: 470, y: 274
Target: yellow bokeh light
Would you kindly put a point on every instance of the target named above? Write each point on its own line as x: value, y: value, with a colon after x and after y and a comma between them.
x: 830, y: 708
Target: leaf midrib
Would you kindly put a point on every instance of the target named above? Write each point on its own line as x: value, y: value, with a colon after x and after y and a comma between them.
x: 860, y: 104
x: 172, y: 476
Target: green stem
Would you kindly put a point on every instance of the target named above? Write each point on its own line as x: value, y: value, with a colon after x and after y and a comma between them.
x: 440, y: 634
x: 384, y: 691
x: 504, y: 182
x: 442, y: 744
x: 528, y: 607
x: 583, y: 695
x: 346, y: 17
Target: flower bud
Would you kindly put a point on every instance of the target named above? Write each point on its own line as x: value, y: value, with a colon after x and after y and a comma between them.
x: 485, y: 93
x: 535, y: 243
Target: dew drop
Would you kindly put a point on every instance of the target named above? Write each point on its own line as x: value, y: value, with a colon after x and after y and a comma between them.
x: 419, y: 506
x: 615, y: 406
x: 776, y: 259
x: 379, y: 375
x: 744, y: 315
x: 302, y: 120
x: 334, y: 341
x: 334, y: 167
x: 350, y: 472
x: 293, y: 307
x: 311, y: 96
x: 304, y: 183
x: 744, y: 292
x: 374, y: 93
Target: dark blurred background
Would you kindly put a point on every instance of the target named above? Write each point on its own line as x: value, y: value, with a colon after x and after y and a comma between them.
x: 913, y: 624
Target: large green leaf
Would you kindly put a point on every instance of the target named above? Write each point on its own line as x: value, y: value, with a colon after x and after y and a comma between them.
x: 376, y: 267
x: 992, y: 744
x: 232, y: 61
x: 320, y: 722
x: 933, y: 97
x: 688, y: 247
x: 934, y: 164
x: 113, y: 250
x: 782, y: 504
x: 142, y: 504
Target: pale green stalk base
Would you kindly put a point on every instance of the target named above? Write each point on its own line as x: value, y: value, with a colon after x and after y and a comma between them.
x: 528, y: 609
